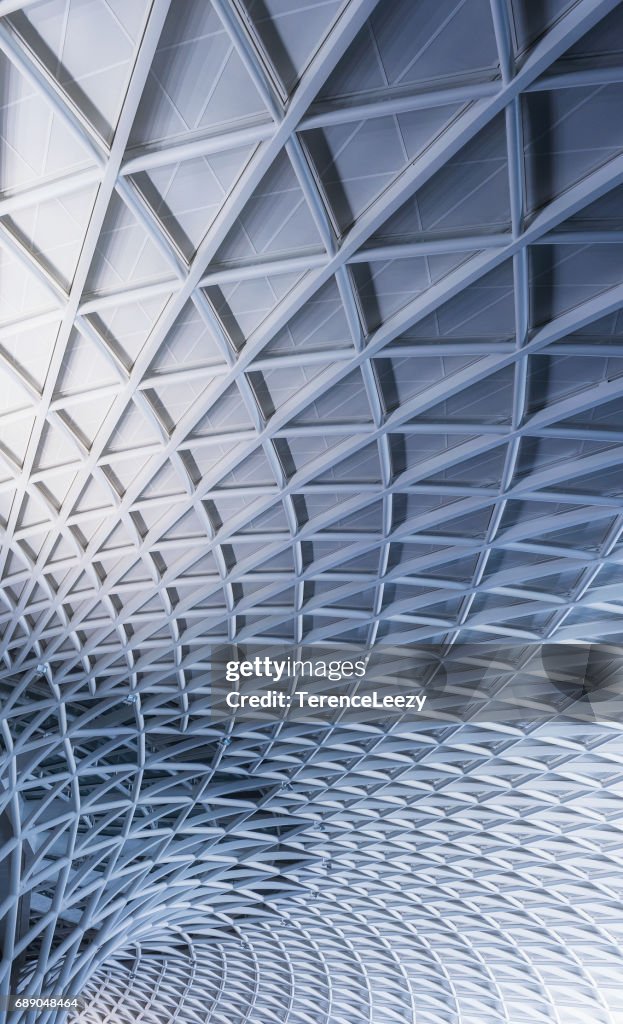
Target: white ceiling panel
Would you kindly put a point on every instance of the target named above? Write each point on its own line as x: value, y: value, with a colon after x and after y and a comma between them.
x: 311, y: 332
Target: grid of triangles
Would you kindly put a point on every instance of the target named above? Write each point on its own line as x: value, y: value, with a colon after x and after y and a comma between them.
x: 310, y: 326
x: 305, y: 872
x: 310, y: 330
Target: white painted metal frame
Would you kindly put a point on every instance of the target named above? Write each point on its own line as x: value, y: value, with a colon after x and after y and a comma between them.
x: 145, y: 841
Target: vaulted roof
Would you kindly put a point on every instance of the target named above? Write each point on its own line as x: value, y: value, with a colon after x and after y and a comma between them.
x: 310, y: 333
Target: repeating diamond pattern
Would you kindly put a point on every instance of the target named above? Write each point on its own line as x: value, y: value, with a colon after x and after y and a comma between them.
x: 310, y: 332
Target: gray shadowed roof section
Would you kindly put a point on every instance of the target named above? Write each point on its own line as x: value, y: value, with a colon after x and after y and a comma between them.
x: 311, y: 330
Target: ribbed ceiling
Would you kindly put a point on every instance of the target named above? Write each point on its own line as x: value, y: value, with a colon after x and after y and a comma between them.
x: 310, y: 333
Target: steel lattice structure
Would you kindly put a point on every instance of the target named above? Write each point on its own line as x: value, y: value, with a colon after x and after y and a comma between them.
x: 310, y: 332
